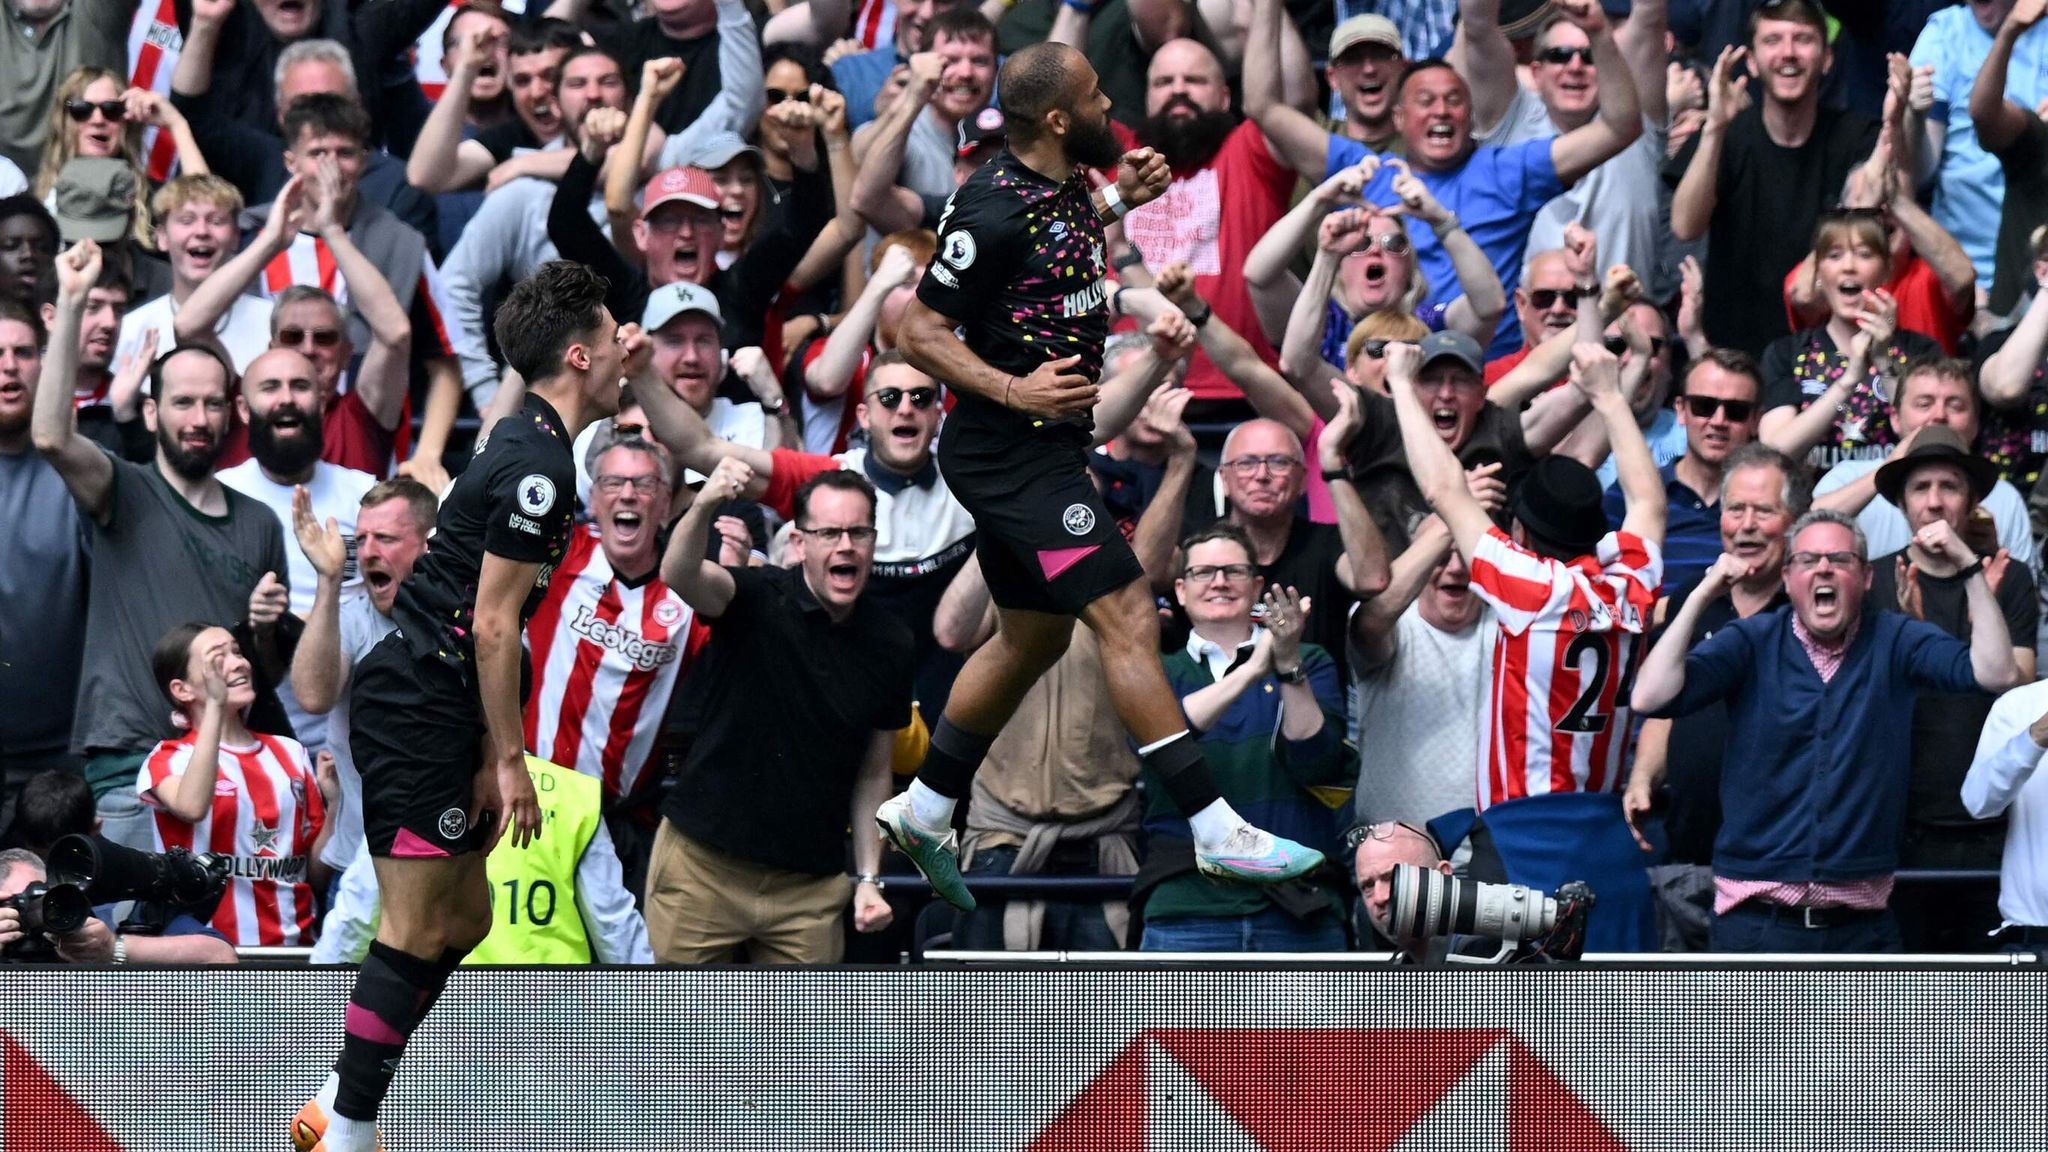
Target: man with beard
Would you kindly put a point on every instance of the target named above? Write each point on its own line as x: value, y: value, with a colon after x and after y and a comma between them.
x: 862, y: 76
x: 1718, y: 411
x: 1494, y: 193
x: 392, y: 523
x: 1020, y: 273
x: 1677, y: 769
x: 43, y: 572
x: 195, y: 230
x: 1755, y: 180
x: 170, y: 544
x: 1820, y: 711
x: 435, y: 707
x: 1227, y: 189
x: 357, y: 425
x: 279, y: 404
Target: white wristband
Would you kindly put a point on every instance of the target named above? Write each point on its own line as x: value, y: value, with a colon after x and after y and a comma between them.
x: 1113, y: 201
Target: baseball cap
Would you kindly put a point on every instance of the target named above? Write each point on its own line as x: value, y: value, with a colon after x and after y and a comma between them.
x: 1456, y: 345
x: 717, y: 149
x: 1560, y: 501
x: 687, y: 185
x: 1365, y: 29
x: 95, y: 199
x: 672, y: 300
x: 985, y: 128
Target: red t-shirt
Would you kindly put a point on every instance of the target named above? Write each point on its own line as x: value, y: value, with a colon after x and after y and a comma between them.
x: 1211, y: 217
x: 1923, y: 304
x: 349, y: 437
x: 791, y: 471
x: 1495, y: 369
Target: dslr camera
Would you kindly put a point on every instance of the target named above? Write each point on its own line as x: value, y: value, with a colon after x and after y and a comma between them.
x: 1532, y: 928
x: 45, y: 908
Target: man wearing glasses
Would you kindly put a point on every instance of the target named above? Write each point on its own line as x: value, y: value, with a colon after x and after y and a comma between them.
x: 805, y: 681
x: 1718, y: 411
x: 1820, y: 733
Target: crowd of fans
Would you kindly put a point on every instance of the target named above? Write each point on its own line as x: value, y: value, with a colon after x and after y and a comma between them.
x: 1630, y: 412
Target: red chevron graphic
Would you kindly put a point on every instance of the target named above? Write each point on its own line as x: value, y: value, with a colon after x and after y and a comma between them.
x: 40, y: 1115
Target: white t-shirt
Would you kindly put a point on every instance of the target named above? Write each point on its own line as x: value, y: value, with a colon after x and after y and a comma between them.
x: 244, y: 331
x: 361, y: 627
x: 12, y: 182
x: 337, y: 492
x: 1416, y: 721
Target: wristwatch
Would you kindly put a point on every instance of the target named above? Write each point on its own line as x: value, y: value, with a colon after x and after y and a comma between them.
x: 120, y: 950
x: 1973, y: 568
x: 776, y: 408
x: 871, y: 878
x: 1294, y: 675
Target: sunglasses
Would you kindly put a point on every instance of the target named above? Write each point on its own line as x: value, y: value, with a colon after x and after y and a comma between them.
x: 777, y: 96
x: 321, y: 337
x: 81, y: 110
x: 1619, y: 344
x: 1563, y: 56
x: 1704, y: 407
x: 920, y: 398
x: 1544, y: 299
x: 1391, y: 243
x: 1384, y: 831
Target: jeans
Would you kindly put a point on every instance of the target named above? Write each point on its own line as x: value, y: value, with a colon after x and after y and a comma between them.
x: 1756, y: 927
x: 125, y: 819
x: 1069, y: 926
x: 1269, y: 931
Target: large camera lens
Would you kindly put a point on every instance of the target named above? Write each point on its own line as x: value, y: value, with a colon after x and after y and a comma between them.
x: 1427, y: 903
x: 54, y: 908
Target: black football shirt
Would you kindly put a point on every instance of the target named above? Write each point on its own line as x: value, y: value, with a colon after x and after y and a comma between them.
x: 1020, y: 267
x: 516, y: 500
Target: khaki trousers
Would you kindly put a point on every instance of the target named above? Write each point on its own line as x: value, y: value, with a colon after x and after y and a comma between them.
x: 705, y: 907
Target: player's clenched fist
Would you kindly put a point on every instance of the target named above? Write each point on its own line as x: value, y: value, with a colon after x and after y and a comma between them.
x: 1053, y: 391
x: 1142, y: 177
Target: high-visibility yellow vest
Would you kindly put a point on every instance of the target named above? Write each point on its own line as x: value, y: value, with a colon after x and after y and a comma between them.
x: 534, y: 915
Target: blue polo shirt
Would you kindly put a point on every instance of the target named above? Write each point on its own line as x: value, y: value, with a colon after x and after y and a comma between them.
x: 1692, y: 527
x: 1495, y: 195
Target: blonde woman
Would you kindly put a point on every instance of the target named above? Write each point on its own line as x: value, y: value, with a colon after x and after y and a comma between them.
x: 95, y: 113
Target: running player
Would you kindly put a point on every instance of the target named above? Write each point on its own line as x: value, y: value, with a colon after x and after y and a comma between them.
x: 1020, y: 272
x: 434, y: 708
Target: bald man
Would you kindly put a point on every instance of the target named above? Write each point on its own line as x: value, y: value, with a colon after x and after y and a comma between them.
x: 280, y: 404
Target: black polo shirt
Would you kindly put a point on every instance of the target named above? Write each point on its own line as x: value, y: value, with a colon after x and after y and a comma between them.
x: 787, y: 703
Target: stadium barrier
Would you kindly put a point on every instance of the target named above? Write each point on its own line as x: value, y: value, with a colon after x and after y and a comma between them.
x: 1316, y: 1057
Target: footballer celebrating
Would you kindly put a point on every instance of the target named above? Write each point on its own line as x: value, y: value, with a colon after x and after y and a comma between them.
x: 1019, y: 274
x: 435, y: 707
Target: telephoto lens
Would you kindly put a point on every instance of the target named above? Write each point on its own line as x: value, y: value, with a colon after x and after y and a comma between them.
x: 1427, y: 903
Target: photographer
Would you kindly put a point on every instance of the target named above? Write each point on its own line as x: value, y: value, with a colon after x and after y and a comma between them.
x: 183, y: 940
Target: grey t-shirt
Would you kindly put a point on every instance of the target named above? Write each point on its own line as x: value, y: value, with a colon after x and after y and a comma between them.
x: 42, y: 605
x: 1621, y: 200
x: 159, y: 562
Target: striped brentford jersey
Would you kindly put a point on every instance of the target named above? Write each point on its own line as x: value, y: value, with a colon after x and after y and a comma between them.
x: 154, y: 43
x: 1571, y: 634
x: 605, y: 658
x: 874, y: 24
x: 266, y: 814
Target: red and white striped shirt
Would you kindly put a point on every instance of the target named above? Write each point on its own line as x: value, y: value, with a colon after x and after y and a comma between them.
x: 154, y: 43
x: 1571, y: 634
x: 606, y: 655
x: 874, y: 23
x: 266, y: 814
